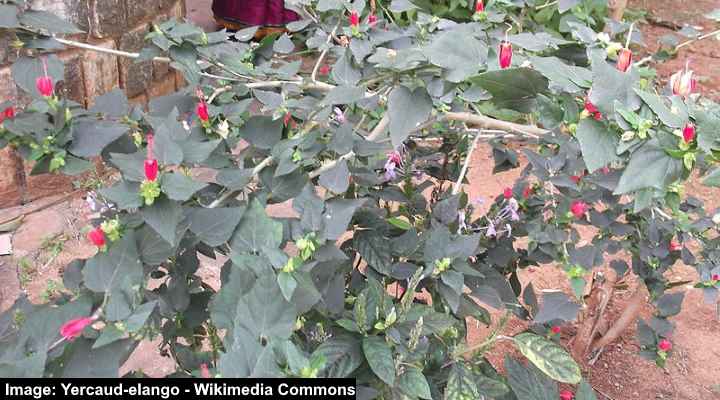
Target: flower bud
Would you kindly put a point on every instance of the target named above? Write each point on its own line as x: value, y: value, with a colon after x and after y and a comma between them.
x: 324, y: 69
x: 508, y: 193
x: 151, y: 169
x: 566, y: 395
x: 9, y: 112
x: 479, y: 6
x: 354, y: 19
x: 202, y: 111
x: 372, y: 19
x: 505, y: 55
x: 624, y: 60
x: 578, y: 208
x: 44, y: 85
x: 689, y: 132
x: 97, y: 237
x: 73, y: 328
x: 665, y: 345
x: 682, y: 82
x: 204, y: 371
x: 674, y: 245
x: 555, y: 330
x: 716, y: 277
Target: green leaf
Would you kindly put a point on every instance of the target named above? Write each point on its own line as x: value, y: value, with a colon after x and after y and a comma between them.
x: 283, y: 44
x: 180, y: 187
x: 164, y: 216
x: 47, y: 21
x: 568, y: 78
x: 514, y: 88
x: 549, y: 357
x: 153, y: 249
x: 713, y: 178
x: 610, y: 85
x: 375, y: 249
x: 262, y: 132
x: 407, y: 109
x: 84, y: 361
x: 119, y: 267
x: 536, y: 41
x: 585, y: 392
x: 343, y: 355
x: 166, y: 150
x: 649, y: 167
x: 337, y: 216
x: 598, y: 144
x: 256, y: 231
x: 530, y: 383
x: 379, y: 356
x: 110, y: 334
x: 337, y: 179
x: 126, y: 195
x: 197, y: 152
x: 413, y: 383
x: 399, y: 223
x: 658, y: 106
x: 461, y: 383
x: 214, y: 226
x: 91, y: 137
x: 458, y: 51
x: 131, y: 165
x: 263, y: 314
x: 8, y: 16
x: 708, y: 130
x: 287, y: 284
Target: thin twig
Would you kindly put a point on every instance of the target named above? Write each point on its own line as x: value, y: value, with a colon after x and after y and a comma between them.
x: 687, y: 43
x: 463, y: 171
x: 320, y: 59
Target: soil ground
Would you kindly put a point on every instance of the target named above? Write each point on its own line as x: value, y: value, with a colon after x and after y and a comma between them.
x: 52, y: 235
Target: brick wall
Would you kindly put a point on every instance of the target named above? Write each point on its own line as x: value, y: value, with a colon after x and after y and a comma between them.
x: 115, y: 24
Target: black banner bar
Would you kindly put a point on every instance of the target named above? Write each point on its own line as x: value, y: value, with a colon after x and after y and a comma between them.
x: 172, y: 389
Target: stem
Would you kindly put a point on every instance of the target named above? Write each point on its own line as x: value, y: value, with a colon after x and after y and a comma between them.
x: 627, y: 317
x: 324, y: 52
x: 705, y: 36
x: 463, y: 171
x: 629, y: 35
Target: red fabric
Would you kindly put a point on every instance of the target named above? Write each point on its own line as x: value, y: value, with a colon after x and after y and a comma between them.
x: 254, y: 12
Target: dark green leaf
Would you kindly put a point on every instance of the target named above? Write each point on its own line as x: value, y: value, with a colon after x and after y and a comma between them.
x: 214, y: 226
x: 379, y: 356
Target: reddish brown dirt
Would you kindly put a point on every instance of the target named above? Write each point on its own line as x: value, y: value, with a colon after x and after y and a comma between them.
x: 692, y: 373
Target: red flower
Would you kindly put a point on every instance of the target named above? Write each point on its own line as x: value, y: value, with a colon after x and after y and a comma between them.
x: 576, y: 178
x: 578, y: 208
x: 566, y: 395
x: 354, y: 18
x: 508, y: 193
x: 624, y: 60
x: 151, y: 169
x: 372, y: 19
x: 689, y: 132
x: 202, y: 111
x: 204, y: 371
x: 605, y: 170
x: 675, y: 246
x: 682, y: 82
x: 716, y: 277
x: 555, y: 330
x: 9, y: 112
x: 97, y: 237
x: 527, y: 192
x: 479, y: 6
x: 324, y: 70
x: 665, y: 345
x: 287, y: 119
x: 73, y: 328
x: 505, y: 55
x: 592, y: 110
x: 44, y: 85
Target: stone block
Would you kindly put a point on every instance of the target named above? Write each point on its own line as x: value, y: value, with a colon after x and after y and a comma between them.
x: 135, y: 77
x: 43, y: 185
x: 162, y: 87
x: 11, y: 193
x: 100, y: 72
x: 140, y: 101
x: 142, y: 11
x: 108, y: 18
x: 73, y: 85
x: 8, y: 90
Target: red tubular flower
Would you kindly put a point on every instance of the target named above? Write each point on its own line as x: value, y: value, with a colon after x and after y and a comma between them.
x: 578, y: 208
x: 689, y: 132
x: 716, y: 277
x: 73, y: 328
x: 479, y: 6
x: 372, y: 19
x: 605, y: 170
x: 592, y: 110
x: 151, y: 170
x: 97, y: 237
x: 566, y: 395
x: 555, y: 330
x: 576, y: 178
x: 9, y: 112
x: 624, y: 60
x: 527, y: 192
x: 354, y: 18
x: 324, y: 69
x: 508, y: 193
x: 505, y: 55
x: 674, y: 245
x: 682, y: 82
x: 204, y: 371
x: 665, y: 345
x: 44, y: 85
x: 202, y: 111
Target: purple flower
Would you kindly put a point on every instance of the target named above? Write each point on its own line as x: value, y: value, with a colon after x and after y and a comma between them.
x: 393, y: 162
x: 491, y: 232
x: 339, y: 115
